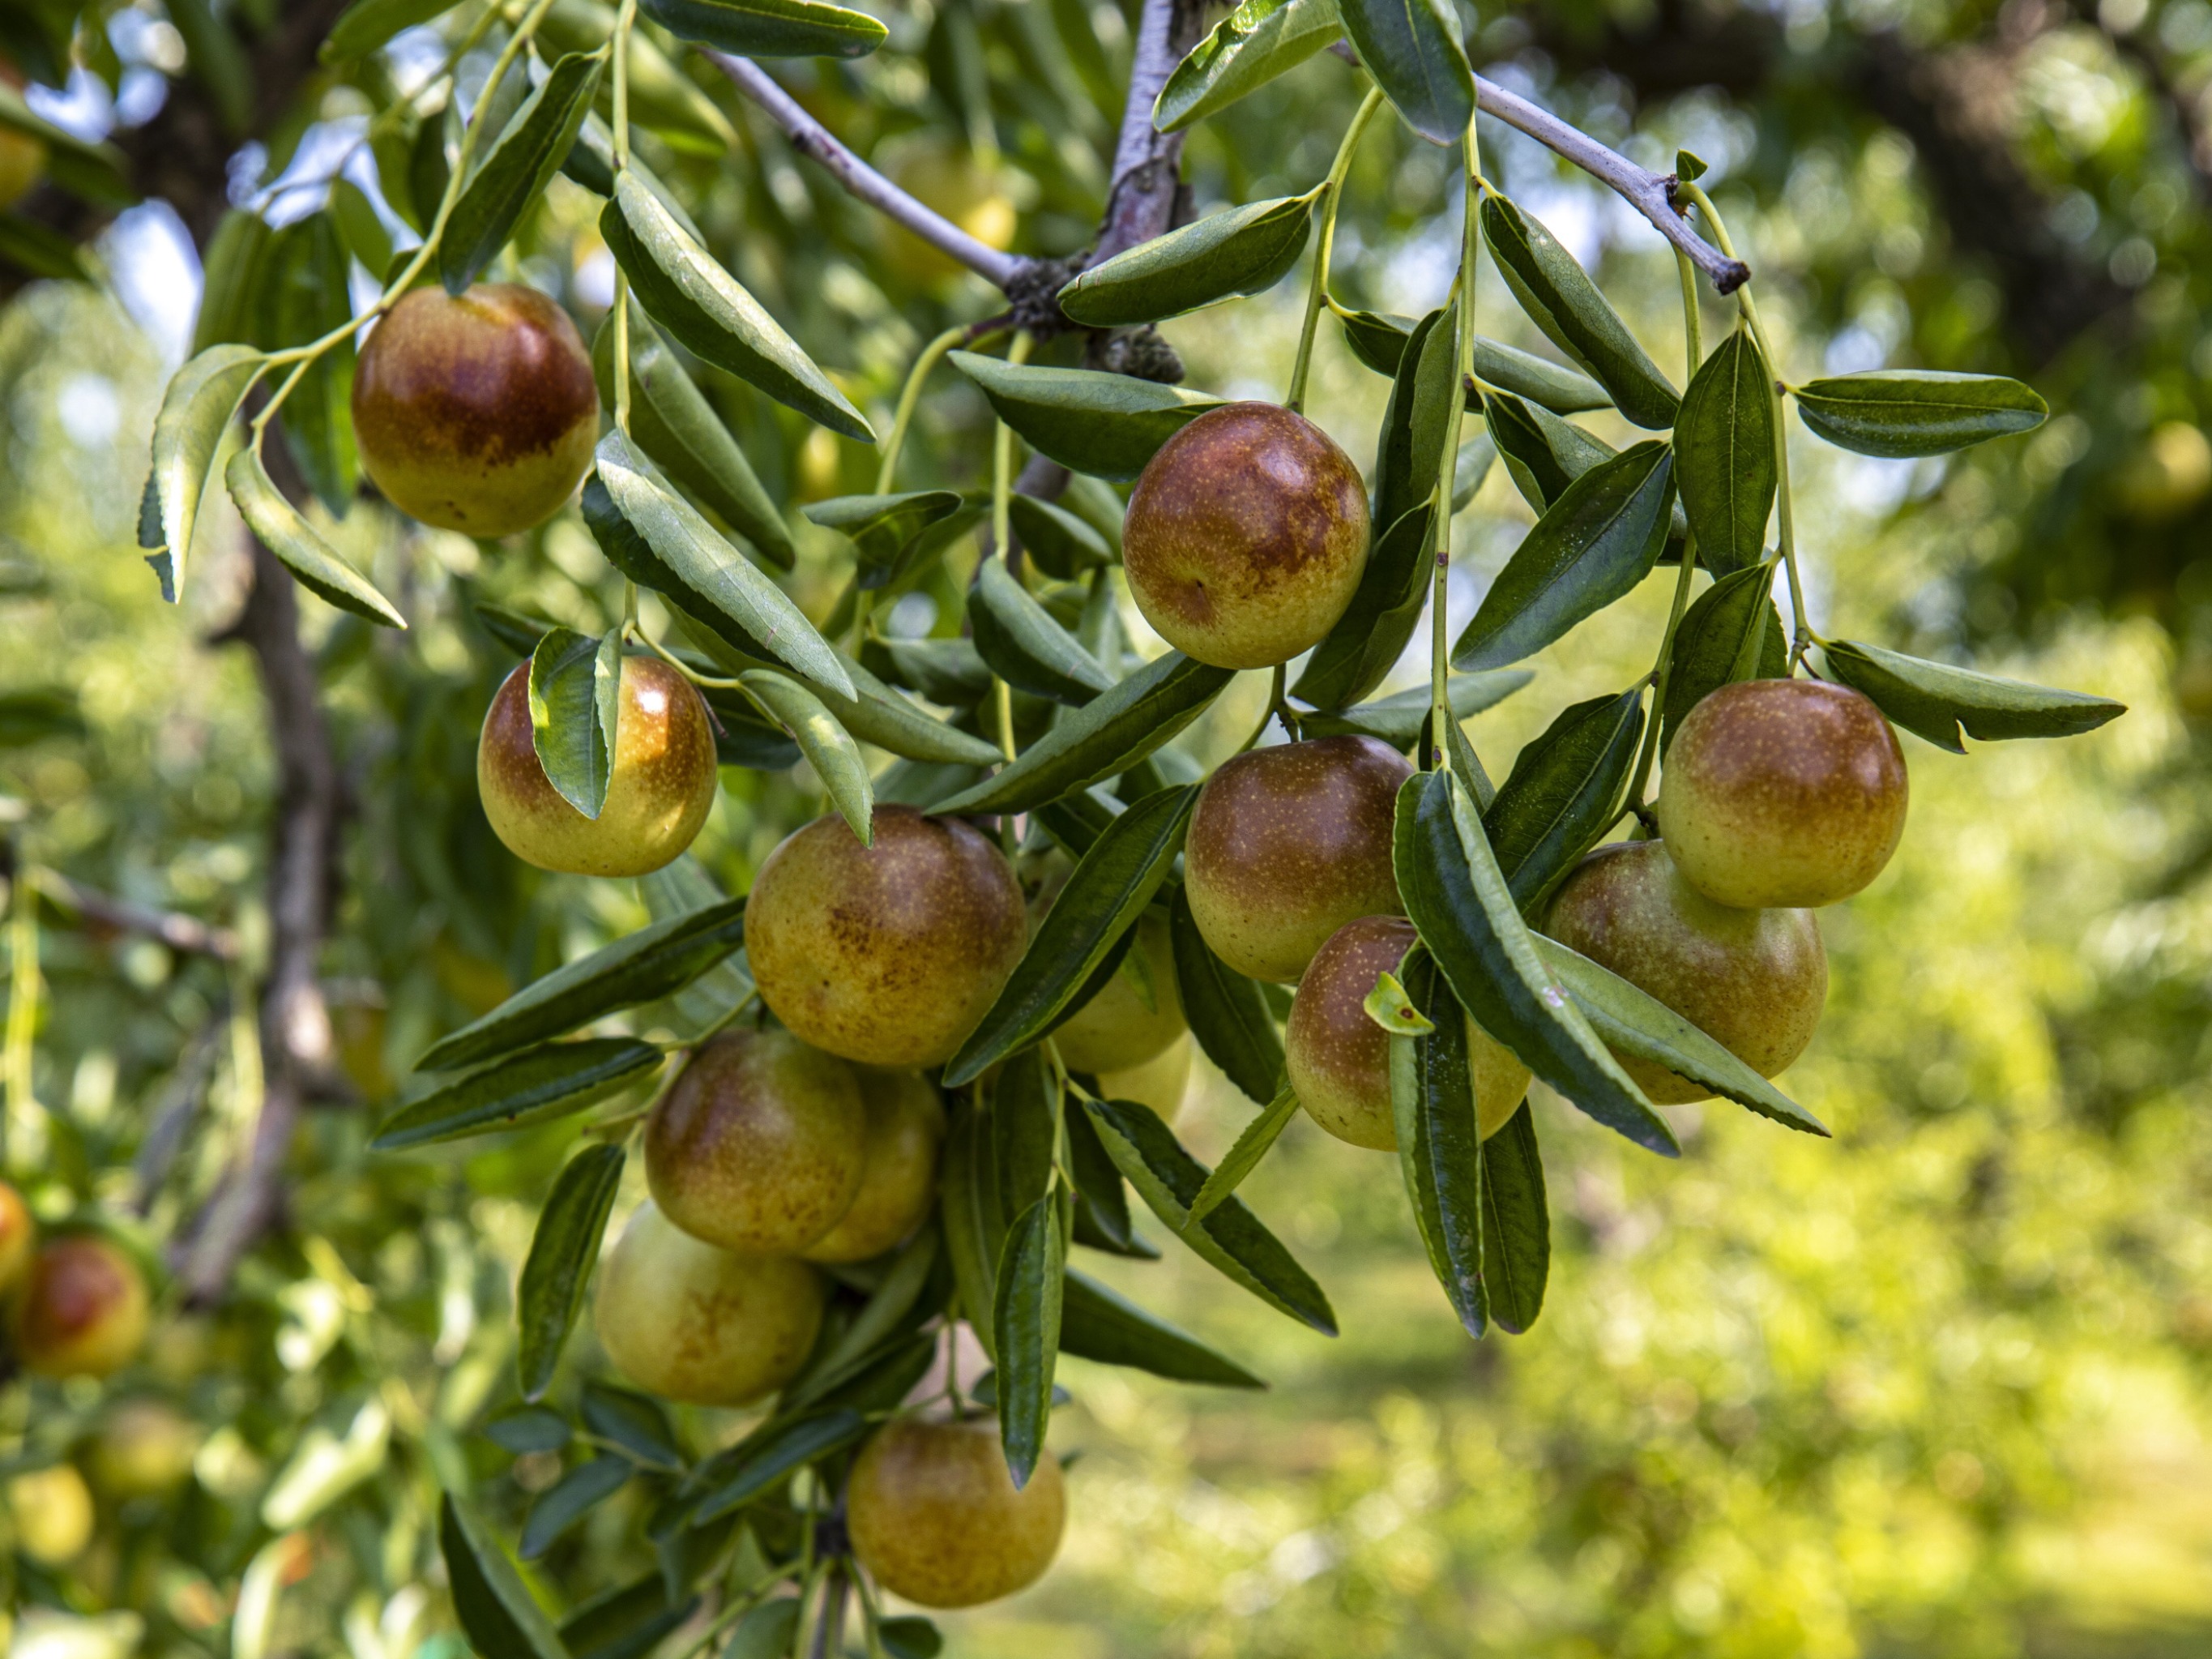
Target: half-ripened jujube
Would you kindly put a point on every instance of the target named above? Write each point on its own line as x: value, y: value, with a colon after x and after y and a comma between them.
x: 935, y: 1516
x: 898, y: 1176
x: 83, y: 1308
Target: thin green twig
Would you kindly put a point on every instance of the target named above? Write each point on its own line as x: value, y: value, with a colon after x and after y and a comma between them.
x: 1332, y: 195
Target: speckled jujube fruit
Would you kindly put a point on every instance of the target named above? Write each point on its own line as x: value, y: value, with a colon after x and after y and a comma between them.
x: 898, y: 1177
x: 1137, y: 1012
x: 1339, y: 1059
x: 1160, y: 1083
x: 1246, y: 536
x: 18, y: 1233
x: 1753, y: 980
x: 476, y: 414
x: 83, y: 1308
x: 758, y: 1145
x: 935, y: 1515
x: 1786, y: 793
x: 661, y: 790
x: 691, y: 1321
x: 889, y: 954
x: 1287, y: 844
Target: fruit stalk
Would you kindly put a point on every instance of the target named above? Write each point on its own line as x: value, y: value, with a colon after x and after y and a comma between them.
x: 1332, y: 195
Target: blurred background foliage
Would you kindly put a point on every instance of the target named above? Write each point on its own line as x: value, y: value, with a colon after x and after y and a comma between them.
x: 1942, y: 1386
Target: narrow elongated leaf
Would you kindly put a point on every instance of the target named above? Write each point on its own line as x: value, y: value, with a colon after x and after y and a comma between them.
x: 627, y: 1623
x: 1725, y: 454
x: 884, y: 529
x: 1423, y: 399
x: 1101, y: 1198
x: 662, y: 98
x: 1544, y: 453
x: 302, y: 294
x: 876, y: 1326
x: 1107, y: 890
x: 497, y: 1611
x: 767, y: 1632
x: 769, y: 28
x: 1898, y: 412
x: 774, y: 1456
x: 948, y: 671
x: 1103, y: 739
x: 1934, y: 699
x: 636, y: 1423
x: 570, y: 1499
x: 1062, y: 543
x: 1227, y: 1013
x: 1251, y: 1145
x: 590, y: 163
x: 1024, y: 1119
x: 196, y: 413
x: 656, y: 961
x: 1027, y: 1319
x: 1517, y: 1225
x: 684, y: 290
x: 313, y: 561
x: 1459, y: 901
x: 1230, y: 1239
x: 1023, y: 643
x: 1097, y: 1322
x: 975, y: 1224
x: 1558, y: 797
x: 574, y: 747
x: 529, y: 1429
x: 1440, y: 1140
x: 836, y: 757
x: 1560, y: 299
x: 366, y: 237
x: 1398, y: 719
x: 1411, y: 48
x: 561, y: 1253
x: 1730, y: 632
x: 553, y: 1081
x: 1245, y: 250
x: 1251, y: 46
x: 365, y: 25
x: 1592, y: 546
x: 232, y: 260
x: 516, y: 172
x: 1361, y: 649
x: 1379, y: 340
x: 1107, y: 425
x: 703, y: 998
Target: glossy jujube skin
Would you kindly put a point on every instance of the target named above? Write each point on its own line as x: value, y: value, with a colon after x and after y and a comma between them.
x: 1117, y: 1029
x: 18, y: 1234
x: 661, y: 789
x: 898, y: 1178
x: 1754, y: 980
x: 1160, y: 1083
x: 1287, y: 844
x: 1782, y: 794
x: 889, y: 954
x: 1339, y: 1059
x: 476, y: 414
x: 691, y: 1321
x: 759, y: 1144
x: 935, y: 1515
x: 83, y: 1308
x: 1246, y: 536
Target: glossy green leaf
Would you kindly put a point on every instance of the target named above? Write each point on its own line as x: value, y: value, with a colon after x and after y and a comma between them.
x: 1379, y: 340
x: 1109, y: 425
x: 1440, y: 1140
x: 1242, y: 251
x: 551, y: 1293
x: 1027, y: 1318
x: 974, y: 1223
x: 1544, y: 453
x: 1227, y: 1013
x: 529, y: 1429
x: 884, y: 529
x: 890, y: 1310
x: 635, y: 1423
x: 1898, y: 412
x: 1517, y: 1225
x: 1102, y: 1197
x: 767, y: 1632
x: 364, y: 232
x: 662, y: 98
x: 228, y: 267
x: 302, y: 293
x: 1252, y: 1144
x: 772, y: 1458
x: 684, y: 290
x: 499, y: 1615
x: 1397, y: 720
x: 1061, y: 544
x: 702, y: 999
x: 1730, y: 632
x: 1359, y: 652
x: 569, y: 1499
x: 1020, y: 640
x: 1559, y: 798
x: 574, y: 747
x: 313, y: 561
x: 948, y: 671
x: 590, y: 163
x: 365, y: 25
x: 195, y: 416
x: 1725, y: 456
x: 835, y: 758
x: 1251, y: 46
x: 1412, y: 49
x: 1934, y: 699
x: 1024, y: 1120
x: 1097, y: 1322
x: 1560, y: 299
x: 553, y: 1081
x: 769, y: 28
x: 515, y: 172
x: 628, y: 1622
x: 1422, y: 399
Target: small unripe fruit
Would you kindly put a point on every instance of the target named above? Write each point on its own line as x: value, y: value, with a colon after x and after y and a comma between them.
x: 22, y: 164
x: 1246, y: 536
x: 1125, y: 1024
x: 477, y: 414
x: 660, y: 791
x: 1339, y: 1059
x: 1160, y: 1083
x: 898, y: 1178
x: 935, y: 1515
x: 18, y: 1233
x: 1287, y: 844
x: 889, y: 954
x: 83, y: 1310
x: 51, y: 1508
x: 144, y: 1449
x: 758, y: 1145
x: 1753, y: 980
x: 1783, y: 794
x: 693, y: 1323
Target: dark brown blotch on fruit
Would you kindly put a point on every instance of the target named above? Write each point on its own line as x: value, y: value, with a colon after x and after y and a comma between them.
x: 83, y: 1309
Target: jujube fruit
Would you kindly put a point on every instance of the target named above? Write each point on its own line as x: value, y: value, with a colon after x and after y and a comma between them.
x: 145, y: 1449
x: 660, y: 790
x: 1159, y: 1083
x: 1246, y: 536
x: 1339, y: 1059
x: 694, y: 1322
x: 83, y: 1310
x: 18, y: 1233
x: 1753, y: 980
x: 51, y: 1508
x: 758, y: 1145
x: 889, y: 954
x: 1287, y: 844
x: 22, y: 164
x: 1788, y: 793
x: 934, y: 1515
x: 1117, y: 1028
x: 476, y: 414
x: 898, y: 1176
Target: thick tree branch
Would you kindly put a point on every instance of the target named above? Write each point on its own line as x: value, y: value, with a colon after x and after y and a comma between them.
x: 188, y: 934
x: 1141, y: 202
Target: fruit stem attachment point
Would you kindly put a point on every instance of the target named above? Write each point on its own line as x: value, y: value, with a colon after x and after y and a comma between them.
x: 1275, y: 707
x: 1332, y: 195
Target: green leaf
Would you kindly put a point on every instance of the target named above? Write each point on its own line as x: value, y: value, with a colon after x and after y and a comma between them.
x: 1397, y: 720
x: 884, y: 529
x: 876, y: 1327
x: 570, y: 1499
x: 364, y: 232
x: 98, y: 172
x: 195, y: 416
x: 312, y: 560
x: 1227, y: 1013
x: 948, y: 671
x: 1411, y: 48
x: 1459, y: 901
x: 500, y: 1618
x: 1379, y: 340
x: 1560, y: 299
x: 529, y: 1088
x: 769, y: 28
x: 1725, y: 459
x: 1062, y: 543
x: 684, y: 290
x: 575, y: 746
x: 1252, y: 1144
x: 1364, y: 646
x: 1109, y: 425
x: 1440, y: 1140
x: 703, y: 998
x: 975, y: 1224
x: 1934, y: 699
x: 1025, y: 1106
x: 590, y: 163
x: 1251, y: 46
x: 636, y: 1423
x: 529, y: 1429
x: 1898, y: 412
x: 629, y: 1622
x: 836, y: 757
x: 1230, y: 1240
x: 302, y: 294
x: 234, y: 257
x: 1109, y: 889
x: 1103, y: 739
x: 1019, y: 639
x: 1633, y: 1021
x: 1026, y: 1318
x: 1544, y: 453
x: 1591, y: 547
x: 429, y: 169
x: 1245, y: 250
x: 1730, y: 632
x: 1101, y: 1198
x: 773, y: 1454
x: 1516, y: 1227
x: 657, y: 961
x: 562, y: 1250
x: 1097, y: 1322
x: 35, y: 715
x: 662, y: 98
x: 767, y: 1632
x: 1422, y: 399
x: 1559, y: 798
x: 364, y: 26
x: 514, y: 175
x: 217, y: 62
